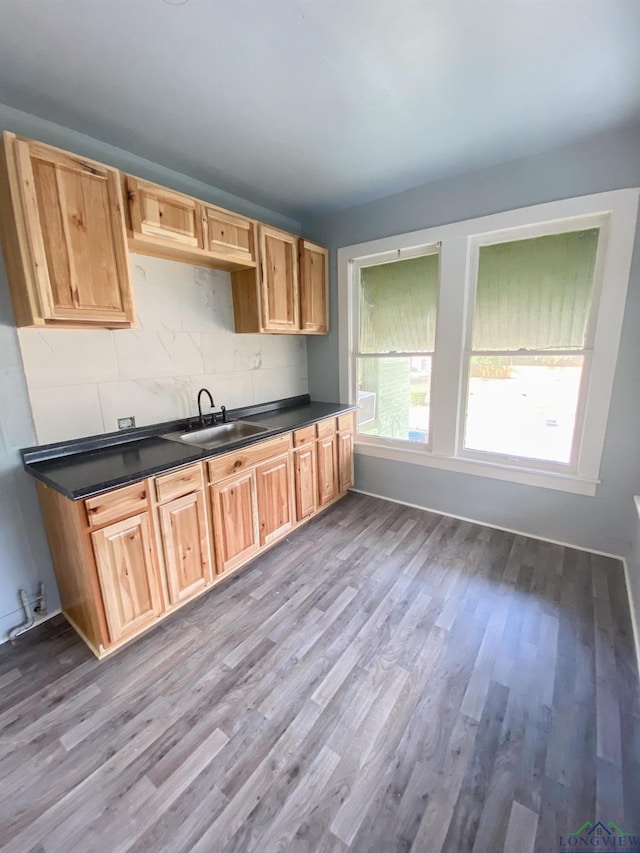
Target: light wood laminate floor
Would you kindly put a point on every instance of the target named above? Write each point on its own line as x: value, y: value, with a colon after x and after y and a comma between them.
x: 385, y: 679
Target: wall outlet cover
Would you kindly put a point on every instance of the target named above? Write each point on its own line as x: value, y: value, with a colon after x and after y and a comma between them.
x: 127, y: 423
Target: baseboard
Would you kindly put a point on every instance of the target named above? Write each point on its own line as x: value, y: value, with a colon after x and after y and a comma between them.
x: 50, y: 614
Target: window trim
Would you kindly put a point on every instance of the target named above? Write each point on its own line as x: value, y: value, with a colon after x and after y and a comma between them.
x: 618, y: 209
x: 380, y: 260
x: 601, y: 221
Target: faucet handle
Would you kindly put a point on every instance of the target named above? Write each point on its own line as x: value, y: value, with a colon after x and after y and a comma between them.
x: 223, y: 411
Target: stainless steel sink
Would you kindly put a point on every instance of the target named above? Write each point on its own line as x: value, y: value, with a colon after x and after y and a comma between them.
x: 215, y: 436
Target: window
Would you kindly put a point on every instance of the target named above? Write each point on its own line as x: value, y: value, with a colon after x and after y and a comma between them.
x: 397, y: 306
x: 528, y: 344
x: 489, y: 346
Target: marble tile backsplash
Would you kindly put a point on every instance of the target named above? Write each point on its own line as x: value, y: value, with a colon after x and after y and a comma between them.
x: 81, y: 381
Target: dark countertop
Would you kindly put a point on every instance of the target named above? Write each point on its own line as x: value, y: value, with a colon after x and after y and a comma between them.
x: 85, y: 467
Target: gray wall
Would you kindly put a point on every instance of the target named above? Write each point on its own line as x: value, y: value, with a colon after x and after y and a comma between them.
x: 633, y: 578
x: 605, y: 522
x: 24, y: 554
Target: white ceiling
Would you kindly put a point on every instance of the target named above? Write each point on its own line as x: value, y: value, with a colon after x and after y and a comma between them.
x: 310, y: 106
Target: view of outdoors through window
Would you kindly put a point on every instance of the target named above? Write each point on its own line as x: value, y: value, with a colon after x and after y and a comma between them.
x: 523, y: 406
x: 396, y: 401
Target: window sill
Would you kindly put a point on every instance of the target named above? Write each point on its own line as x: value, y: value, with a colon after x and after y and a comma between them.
x: 525, y: 476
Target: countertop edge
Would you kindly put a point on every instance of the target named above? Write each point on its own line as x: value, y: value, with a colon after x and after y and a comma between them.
x: 192, y: 456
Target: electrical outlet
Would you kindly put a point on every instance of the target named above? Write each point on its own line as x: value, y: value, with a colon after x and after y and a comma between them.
x: 127, y: 423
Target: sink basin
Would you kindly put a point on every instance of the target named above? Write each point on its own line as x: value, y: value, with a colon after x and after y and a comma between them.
x: 215, y: 436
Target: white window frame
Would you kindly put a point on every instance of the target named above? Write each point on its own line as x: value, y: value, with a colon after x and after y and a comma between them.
x: 615, y: 213
x: 378, y: 260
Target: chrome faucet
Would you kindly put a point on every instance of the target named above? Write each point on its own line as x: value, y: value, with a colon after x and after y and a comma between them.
x: 200, y: 415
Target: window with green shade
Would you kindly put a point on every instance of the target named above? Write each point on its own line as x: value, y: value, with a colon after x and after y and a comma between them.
x: 397, y: 307
x: 535, y: 294
x: 398, y: 304
x: 529, y: 341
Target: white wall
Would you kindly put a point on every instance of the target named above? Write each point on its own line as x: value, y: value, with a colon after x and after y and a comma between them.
x: 80, y: 382
x: 24, y: 554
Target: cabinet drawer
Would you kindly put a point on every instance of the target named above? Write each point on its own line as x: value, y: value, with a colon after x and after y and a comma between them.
x: 234, y: 463
x: 178, y: 483
x: 162, y: 214
x: 112, y: 505
x: 347, y: 422
x: 228, y: 234
x: 304, y: 436
x: 326, y: 427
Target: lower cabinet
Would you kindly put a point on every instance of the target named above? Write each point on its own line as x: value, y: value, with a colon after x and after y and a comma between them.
x: 235, y: 524
x: 345, y: 461
x: 306, y: 480
x: 335, y: 457
x: 186, y: 545
x: 275, y: 504
x: 126, y: 557
x: 327, y: 469
x: 126, y: 564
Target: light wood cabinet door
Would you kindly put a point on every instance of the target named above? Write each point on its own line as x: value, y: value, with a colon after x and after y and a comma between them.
x: 288, y: 293
x: 227, y: 234
x: 306, y: 479
x: 235, y: 520
x: 128, y: 578
x: 163, y: 215
x: 70, y: 255
x: 314, y: 288
x: 185, y: 538
x: 275, y: 505
x: 279, y: 280
x: 345, y: 461
x: 327, y: 469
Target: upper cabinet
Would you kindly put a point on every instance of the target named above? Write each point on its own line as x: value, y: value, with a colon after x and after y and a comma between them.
x: 314, y: 296
x: 63, y: 238
x: 163, y: 215
x: 67, y: 224
x: 172, y: 225
x: 229, y: 235
x: 279, y: 280
x: 288, y: 292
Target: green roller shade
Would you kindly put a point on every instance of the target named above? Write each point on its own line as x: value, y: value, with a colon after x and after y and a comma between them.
x: 535, y: 294
x: 398, y: 303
